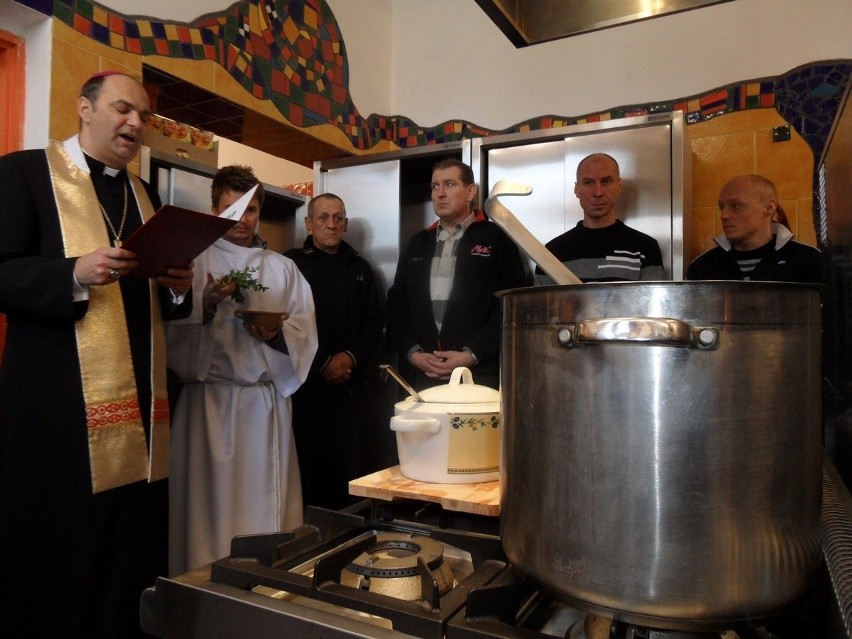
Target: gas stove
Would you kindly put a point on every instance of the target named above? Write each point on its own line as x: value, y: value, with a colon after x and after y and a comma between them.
x: 353, y: 574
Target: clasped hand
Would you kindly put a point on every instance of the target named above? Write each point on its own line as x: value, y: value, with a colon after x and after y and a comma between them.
x: 338, y: 369
x: 440, y: 364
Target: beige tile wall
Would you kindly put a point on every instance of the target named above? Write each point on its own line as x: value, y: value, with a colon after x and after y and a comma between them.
x: 738, y: 143
x: 75, y: 58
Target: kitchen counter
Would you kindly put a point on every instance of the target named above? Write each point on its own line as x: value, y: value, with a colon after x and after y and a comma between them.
x: 389, y: 484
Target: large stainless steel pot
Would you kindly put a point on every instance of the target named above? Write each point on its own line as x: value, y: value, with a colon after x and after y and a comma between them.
x: 662, y: 452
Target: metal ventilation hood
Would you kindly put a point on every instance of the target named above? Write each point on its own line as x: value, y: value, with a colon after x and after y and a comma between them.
x: 528, y: 22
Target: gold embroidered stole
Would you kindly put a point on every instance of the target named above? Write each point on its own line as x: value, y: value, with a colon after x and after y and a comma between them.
x: 117, y: 449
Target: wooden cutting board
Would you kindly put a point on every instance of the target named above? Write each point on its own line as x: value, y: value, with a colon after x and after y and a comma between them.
x: 390, y: 484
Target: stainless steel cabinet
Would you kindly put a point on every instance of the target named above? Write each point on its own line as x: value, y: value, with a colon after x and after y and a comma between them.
x: 655, y: 160
x: 387, y: 200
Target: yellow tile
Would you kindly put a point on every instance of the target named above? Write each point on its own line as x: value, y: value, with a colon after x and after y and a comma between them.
x: 310, y: 17
x: 71, y: 66
x: 703, y: 232
x: 750, y: 120
x: 112, y: 58
x: 291, y: 31
x: 99, y: 15
x: 788, y: 164
x: 717, y: 159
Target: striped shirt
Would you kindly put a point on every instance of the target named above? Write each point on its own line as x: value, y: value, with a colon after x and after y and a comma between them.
x: 444, y: 266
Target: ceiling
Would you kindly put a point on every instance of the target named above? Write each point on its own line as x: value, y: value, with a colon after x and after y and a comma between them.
x: 179, y: 100
x: 528, y: 22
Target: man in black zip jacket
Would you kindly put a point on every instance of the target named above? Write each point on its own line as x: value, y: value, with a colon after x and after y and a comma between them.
x: 754, y: 246
x: 328, y: 408
x: 442, y: 311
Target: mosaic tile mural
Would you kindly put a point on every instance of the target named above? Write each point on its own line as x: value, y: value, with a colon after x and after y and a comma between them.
x: 290, y: 53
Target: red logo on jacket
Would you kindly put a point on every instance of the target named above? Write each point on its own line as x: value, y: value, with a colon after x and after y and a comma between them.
x: 480, y: 249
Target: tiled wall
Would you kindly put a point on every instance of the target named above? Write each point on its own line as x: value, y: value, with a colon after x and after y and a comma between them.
x: 741, y: 142
x: 730, y: 127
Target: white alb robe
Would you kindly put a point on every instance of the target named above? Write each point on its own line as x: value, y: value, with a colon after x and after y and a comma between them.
x: 233, y: 468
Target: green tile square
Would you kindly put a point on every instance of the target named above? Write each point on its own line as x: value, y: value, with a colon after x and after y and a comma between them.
x: 149, y: 45
x: 84, y: 8
x: 64, y: 13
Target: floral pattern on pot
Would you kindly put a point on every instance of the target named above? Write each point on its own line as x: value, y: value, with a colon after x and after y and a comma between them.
x: 474, y: 422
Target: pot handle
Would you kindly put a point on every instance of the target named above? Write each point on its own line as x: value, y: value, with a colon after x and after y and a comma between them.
x: 404, y: 425
x: 661, y: 331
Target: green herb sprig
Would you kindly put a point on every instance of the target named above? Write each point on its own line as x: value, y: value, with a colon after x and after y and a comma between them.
x: 244, y: 281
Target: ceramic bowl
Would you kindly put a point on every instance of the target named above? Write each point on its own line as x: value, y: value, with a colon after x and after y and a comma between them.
x: 267, y: 319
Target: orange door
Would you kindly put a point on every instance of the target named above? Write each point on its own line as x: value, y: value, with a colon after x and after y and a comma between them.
x: 12, y: 88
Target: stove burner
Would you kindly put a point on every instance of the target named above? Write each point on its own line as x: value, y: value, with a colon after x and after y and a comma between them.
x: 598, y: 627
x: 395, y: 564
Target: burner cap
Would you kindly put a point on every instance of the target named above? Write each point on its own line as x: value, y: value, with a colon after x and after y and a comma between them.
x: 396, y: 556
x: 390, y: 566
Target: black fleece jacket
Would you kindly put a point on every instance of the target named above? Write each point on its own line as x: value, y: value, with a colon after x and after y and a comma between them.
x: 487, y: 261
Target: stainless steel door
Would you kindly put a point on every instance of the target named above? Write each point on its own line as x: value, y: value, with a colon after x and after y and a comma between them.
x: 371, y: 193
x: 652, y: 152
x: 644, y: 157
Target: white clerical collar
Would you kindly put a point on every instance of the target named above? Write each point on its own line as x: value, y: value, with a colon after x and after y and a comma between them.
x: 78, y: 155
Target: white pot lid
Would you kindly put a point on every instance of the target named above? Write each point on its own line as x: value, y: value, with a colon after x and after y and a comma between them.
x: 461, y: 390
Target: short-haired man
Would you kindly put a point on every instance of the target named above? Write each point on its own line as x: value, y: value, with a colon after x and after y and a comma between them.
x: 442, y: 311
x: 328, y: 407
x: 601, y: 248
x: 84, y: 424
x: 753, y: 247
x: 234, y: 467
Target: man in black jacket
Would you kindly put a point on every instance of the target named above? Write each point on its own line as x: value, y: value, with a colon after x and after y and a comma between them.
x: 442, y: 311
x: 753, y: 246
x: 328, y: 408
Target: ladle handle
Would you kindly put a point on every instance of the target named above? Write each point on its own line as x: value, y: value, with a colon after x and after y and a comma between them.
x: 390, y: 369
x: 539, y: 254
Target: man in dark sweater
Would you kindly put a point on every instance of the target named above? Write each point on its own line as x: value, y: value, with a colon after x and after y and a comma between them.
x: 753, y: 246
x: 328, y: 407
x: 442, y: 311
x: 601, y: 248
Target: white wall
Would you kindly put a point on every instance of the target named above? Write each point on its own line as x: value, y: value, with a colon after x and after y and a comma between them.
x: 364, y: 27
x: 444, y: 60
x: 268, y: 168
x: 451, y: 62
x: 34, y: 27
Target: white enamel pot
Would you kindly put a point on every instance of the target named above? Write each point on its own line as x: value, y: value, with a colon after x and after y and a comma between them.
x: 453, y: 436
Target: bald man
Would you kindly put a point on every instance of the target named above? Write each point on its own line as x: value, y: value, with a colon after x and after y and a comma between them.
x: 753, y: 246
x: 602, y: 248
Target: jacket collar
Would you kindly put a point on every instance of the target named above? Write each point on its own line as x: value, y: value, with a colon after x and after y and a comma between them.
x: 478, y: 216
x: 344, y: 249
x: 782, y: 236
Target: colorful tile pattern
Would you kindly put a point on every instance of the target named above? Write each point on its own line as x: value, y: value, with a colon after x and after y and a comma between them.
x: 290, y: 52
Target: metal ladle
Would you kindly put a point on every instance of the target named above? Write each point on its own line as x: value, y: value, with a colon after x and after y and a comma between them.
x: 388, y: 369
x: 537, y: 252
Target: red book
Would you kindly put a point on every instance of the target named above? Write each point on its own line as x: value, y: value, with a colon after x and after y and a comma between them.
x: 173, y: 238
